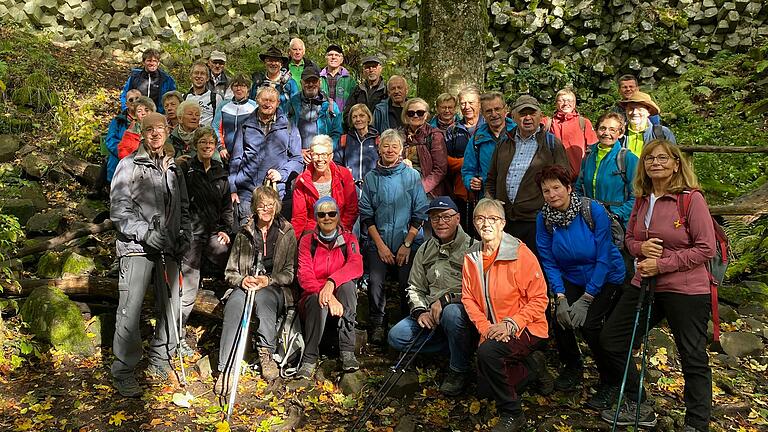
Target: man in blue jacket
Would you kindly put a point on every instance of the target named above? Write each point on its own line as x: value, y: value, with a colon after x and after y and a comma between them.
x: 149, y: 79
x: 312, y: 113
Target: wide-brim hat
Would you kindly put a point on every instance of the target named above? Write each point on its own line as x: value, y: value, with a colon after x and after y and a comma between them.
x: 273, y: 52
x: 643, y: 99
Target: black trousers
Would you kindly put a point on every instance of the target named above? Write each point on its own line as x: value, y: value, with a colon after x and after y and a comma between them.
x: 377, y: 295
x: 568, y: 348
x: 314, y: 318
x: 687, y: 316
x: 525, y: 231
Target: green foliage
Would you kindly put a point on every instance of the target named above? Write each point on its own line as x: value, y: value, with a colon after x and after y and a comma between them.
x: 77, y: 123
x: 750, y: 248
x: 36, y: 92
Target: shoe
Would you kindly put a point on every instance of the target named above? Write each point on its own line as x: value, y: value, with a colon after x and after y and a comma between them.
x: 510, y: 423
x: 348, y: 361
x: 269, y: 370
x: 455, y: 383
x: 306, y: 371
x: 569, y: 378
x: 604, y: 398
x: 185, y: 349
x: 157, y: 372
x: 378, y: 336
x: 546, y: 382
x: 689, y: 428
x: 627, y: 414
x: 221, y: 386
x: 127, y: 387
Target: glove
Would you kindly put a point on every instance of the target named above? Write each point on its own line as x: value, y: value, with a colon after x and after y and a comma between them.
x: 183, y: 242
x: 157, y: 238
x: 578, y: 311
x: 562, y: 313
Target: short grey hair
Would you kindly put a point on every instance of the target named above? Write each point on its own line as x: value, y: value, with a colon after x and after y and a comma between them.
x: 173, y: 93
x: 322, y: 141
x: 269, y: 89
x: 146, y: 103
x: 182, y: 108
x: 490, y: 203
x: 392, y: 135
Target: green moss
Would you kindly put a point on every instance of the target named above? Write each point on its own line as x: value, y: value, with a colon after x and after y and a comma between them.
x: 54, y: 318
x: 49, y: 265
x: 75, y: 265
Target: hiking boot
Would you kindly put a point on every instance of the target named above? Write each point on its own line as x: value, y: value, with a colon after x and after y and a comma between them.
x: 269, y: 370
x: 158, y: 372
x: 127, y: 387
x: 569, y: 378
x: 604, y: 398
x: 510, y: 423
x: 546, y: 382
x: 627, y: 414
x: 348, y: 361
x: 455, y: 383
x: 306, y: 371
x: 221, y: 386
x: 379, y: 336
x: 185, y: 350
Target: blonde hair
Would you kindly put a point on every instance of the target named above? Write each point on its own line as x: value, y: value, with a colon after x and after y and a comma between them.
x: 262, y: 193
x: 182, y: 108
x: 408, y: 103
x: 683, y: 179
x: 566, y: 91
x: 360, y: 107
x: 445, y: 97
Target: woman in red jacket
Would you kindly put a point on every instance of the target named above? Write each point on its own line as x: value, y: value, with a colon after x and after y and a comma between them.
x: 673, y: 249
x: 571, y: 128
x: 329, y: 263
x: 323, y: 178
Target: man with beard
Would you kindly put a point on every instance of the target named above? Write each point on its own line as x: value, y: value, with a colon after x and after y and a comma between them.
x: 312, y: 113
x: 640, y: 130
x: 200, y: 93
x: 370, y: 91
x: 149, y: 79
x: 218, y: 81
x: 388, y: 112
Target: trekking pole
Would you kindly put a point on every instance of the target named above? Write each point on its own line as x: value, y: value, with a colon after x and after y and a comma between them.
x: 638, y: 308
x: 395, y: 370
x: 651, y: 289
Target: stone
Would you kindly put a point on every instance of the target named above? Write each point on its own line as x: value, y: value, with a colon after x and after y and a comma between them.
x: 741, y: 344
x: 406, y: 386
x: 92, y: 209
x: 49, y: 222
x: 34, y: 166
x: 755, y: 309
x: 23, y: 209
x: 203, y: 367
x: 727, y: 313
x: 34, y: 191
x: 56, y: 319
x: 352, y: 383
x: 49, y: 265
x: 658, y: 339
x: 406, y: 424
x: 9, y: 145
x: 74, y: 264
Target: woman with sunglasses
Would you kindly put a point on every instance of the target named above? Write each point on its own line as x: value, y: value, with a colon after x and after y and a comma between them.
x: 670, y: 249
x: 329, y: 263
x: 323, y: 178
x: 424, y: 148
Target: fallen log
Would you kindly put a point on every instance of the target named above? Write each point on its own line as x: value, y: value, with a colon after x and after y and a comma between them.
x: 66, y: 237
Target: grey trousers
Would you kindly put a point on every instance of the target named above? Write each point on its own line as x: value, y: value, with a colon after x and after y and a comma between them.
x: 135, y: 275
x: 269, y: 303
x: 214, y: 251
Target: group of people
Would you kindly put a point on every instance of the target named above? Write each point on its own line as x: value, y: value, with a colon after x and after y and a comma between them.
x: 489, y: 215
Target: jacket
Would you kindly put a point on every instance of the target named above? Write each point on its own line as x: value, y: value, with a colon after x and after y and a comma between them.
x: 513, y: 288
x: 176, y: 144
x: 305, y: 196
x: 567, y: 128
x: 609, y: 188
x: 393, y: 200
x: 433, y: 164
x: 129, y: 143
x: 141, y: 191
x: 577, y: 254
x: 479, y: 150
x: 229, y: 116
x: 328, y: 118
x: 328, y: 262
x: 457, y: 137
x: 210, y: 205
x: 285, y: 86
x: 221, y: 87
x: 297, y: 69
x: 117, y: 128
x: 381, y: 114
x: 345, y: 84
x: 359, y: 154
x: 209, y: 102
x: 256, y: 151
x: 529, y: 199
x: 649, y: 134
x: 370, y: 96
x: 243, y: 256
x: 436, y: 271
x: 153, y: 86
x: 682, y: 263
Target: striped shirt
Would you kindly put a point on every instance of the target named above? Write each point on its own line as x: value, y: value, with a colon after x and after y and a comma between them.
x: 525, y: 149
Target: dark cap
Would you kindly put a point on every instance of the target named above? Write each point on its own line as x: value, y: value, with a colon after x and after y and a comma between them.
x: 526, y: 101
x: 273, y: 52
x: 310, y: 72
x: 371, y: 59
x: 334, y: 47
x: 442, y: 203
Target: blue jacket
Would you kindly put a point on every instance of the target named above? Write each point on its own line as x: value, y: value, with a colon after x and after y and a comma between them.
x: 609, y: 187
x: 139, y: 79
x: 576, y: 254
x: 393, y: 200
x: 255, y: 152
x: 381, y: 117
x: 457, y: 137
x: 477, y: 155
x: 117, y: 128
x: 359, y: 154
x: 328, y: 118
x: 230, y: 115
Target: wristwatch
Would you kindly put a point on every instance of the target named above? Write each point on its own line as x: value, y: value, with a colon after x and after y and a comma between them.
x: 407, y: 244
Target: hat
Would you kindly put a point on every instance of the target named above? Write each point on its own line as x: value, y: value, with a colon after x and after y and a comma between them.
x: 371, y: 59
x: 334, y: 47
x: 525, y: 101
x: 310, y: 72
x: 442, y: 203
x: 273, y: 52
x: 218, y: 55
x: 642, y: 99
x: 324, y: 200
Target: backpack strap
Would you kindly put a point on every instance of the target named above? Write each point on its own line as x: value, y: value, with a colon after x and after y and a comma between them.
x: 586, y: 212
x: 621, y: 162
x: 213, y: 100
x: 658, y: 132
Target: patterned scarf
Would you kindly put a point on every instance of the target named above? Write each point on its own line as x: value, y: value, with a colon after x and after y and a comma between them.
x: 559, y: 218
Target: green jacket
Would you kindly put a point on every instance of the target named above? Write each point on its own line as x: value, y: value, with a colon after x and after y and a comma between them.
x: 345, y: 84
x: 436, y: 272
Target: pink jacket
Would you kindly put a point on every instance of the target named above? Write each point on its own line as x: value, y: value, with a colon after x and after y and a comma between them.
x: 433, y: 158
x: 681, y: 266
x: 328, y: 262
x: 305, y: 196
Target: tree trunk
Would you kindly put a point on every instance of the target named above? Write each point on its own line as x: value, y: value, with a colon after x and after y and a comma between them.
x: 66, y: 237
x: 453, y: 38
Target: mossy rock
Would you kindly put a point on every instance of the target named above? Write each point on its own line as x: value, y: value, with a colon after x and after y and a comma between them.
x: 56, y: 319
x: 46, y: 223
x: 34, y: 166
x: 747, y: 291
x: 9, y: 145
x: 49, y: 265
x: 23, y: 209
x: 74, y: 264
x: 101, y: 329
x: 34, y: 191
x: 91, y: 209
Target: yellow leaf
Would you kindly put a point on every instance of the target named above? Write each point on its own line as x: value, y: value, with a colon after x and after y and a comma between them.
x: 474, y: 407
x: 24, y: 425
x: 183, y: 399
x: 222, y: 426
x: 118, y: 418
x: 328, y: 386
x: 560, y: 427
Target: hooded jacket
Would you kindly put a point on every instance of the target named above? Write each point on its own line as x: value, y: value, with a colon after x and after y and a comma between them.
x: 480, y: 149
x: 210, y: 205
x: 229, y: 116
x: 305, y: 196
x: 328, y: 262
x: 327, y: 122
x: 359, y: 154
x: 567, y: 128
x: 117, y: 128
x: 433, y: 163
x: 153, y: 86
x: 345, y: 84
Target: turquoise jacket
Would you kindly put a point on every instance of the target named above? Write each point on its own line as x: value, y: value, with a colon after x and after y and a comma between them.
x: 328, y: 117
x: 477, y: 155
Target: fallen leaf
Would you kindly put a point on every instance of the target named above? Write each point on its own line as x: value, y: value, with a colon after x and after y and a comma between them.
x: 474, y: 407
x: 183, y: 399
x: 118, y: 418
x: 222, y: 426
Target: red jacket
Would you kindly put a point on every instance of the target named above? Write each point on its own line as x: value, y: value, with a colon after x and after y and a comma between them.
x: 567, y: 128
x: 433, y: 158
x: 128, y: 144
x: 305, y: 196
x: 328, y: 262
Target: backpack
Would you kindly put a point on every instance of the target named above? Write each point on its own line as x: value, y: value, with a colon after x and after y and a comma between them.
x: 582, y: 124
x: 718, y: 264
x: 621, y: 163
x: 290, y: 341
x: 617, y: 229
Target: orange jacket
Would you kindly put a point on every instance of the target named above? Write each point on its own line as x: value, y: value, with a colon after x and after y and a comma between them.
x: 514, y: 287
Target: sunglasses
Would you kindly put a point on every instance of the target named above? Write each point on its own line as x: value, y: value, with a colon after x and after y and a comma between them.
x: 218, y: 62
x: 417, y: 113
x: 330, y: 214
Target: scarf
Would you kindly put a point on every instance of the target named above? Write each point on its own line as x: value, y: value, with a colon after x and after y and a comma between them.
x: 185, y: 136
x: 330, y: 238
x: 559, y: 218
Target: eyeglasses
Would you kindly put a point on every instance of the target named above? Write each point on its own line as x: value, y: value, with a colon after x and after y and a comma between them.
x: 330, y: 214
x: 481, y: 220
x: 444, y: 218
x: 662, y: 158
x: 609, y: 129
x: 263, y: 207
x: 416, y: 113
x: 218, y: 62
x: 320, y: 156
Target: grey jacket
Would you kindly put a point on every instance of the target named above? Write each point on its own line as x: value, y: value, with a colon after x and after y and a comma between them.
x: 243, y: 256
x: 436, y: 272
x: 144, y: 189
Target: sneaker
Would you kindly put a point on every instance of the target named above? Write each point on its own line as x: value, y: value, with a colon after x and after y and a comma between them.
x: 604, y: 398
x: 157, y: 372
x: 378, y: 336
x: 269, y: 370
x: 569, y: 378
x: 127, y: 387
x: 185, y: 350
x: 510, y: 423
x: 546, y: 382
x: 455, y: 383
x: 627, y: 415
x: 306, y: 371
x: 348, y: 361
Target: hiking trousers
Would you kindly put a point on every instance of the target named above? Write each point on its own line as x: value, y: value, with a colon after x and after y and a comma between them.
x: 314, y: 317
x: 214, y: 251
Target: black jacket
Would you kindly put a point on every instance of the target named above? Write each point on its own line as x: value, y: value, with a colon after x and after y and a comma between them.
x: 210, y: 206
x: 362, y: 94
